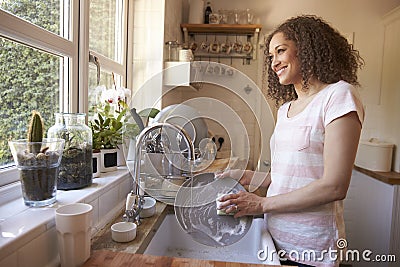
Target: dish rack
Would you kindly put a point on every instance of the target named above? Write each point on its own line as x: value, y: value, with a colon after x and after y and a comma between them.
x: 163, y: 188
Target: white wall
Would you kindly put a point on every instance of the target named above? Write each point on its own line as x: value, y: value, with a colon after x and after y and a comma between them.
x: 386, y: 114
x: 147, y: 46
x: 173, y: 19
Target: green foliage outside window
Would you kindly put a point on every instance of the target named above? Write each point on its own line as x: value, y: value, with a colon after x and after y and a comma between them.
x: 29, y: 78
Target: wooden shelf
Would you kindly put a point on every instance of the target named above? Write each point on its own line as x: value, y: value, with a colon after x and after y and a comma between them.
x: 252, y: 31
x: 222, y: 28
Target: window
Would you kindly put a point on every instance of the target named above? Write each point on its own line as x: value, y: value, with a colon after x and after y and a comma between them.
x: 43, y: 13
x: 41, y: 62
x: 107, y: 39
x: 32, y: 70
x: 30, y: 80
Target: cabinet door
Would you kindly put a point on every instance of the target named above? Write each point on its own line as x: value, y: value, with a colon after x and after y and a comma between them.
x: 368, y: 217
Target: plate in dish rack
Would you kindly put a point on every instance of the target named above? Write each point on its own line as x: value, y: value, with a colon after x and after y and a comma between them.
x: 186, y: 117
x: 196, y: 211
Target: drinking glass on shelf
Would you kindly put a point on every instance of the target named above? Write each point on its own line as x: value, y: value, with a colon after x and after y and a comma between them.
x: 230, y: 16
x: 224, y: 16
x: 249, y: 16
x: 236, y: 16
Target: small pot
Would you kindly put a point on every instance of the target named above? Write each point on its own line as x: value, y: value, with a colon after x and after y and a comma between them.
x: 38, y: 169
x: 149, y: 207
x: 123, y: 231
x: 120, y: 157
x: 96, y: 156
x: 109, y: 160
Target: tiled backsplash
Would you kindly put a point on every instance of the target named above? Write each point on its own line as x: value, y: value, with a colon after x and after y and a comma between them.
x: 29, y: 238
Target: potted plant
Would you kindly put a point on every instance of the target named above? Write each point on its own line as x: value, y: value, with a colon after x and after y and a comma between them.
x: 38, y: 160
x: 96, y: 155
x: 112, y: 127
x: 76, y: 163
x: 107, y: 134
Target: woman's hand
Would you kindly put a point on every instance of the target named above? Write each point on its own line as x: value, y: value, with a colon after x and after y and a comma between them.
x: 242, y: 203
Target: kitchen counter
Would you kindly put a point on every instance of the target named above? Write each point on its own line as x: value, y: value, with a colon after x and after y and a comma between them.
x: 117, y: 259
x: 108, y: 253
x: 392, y: 178
x: 105, y: 252
x: 145, y: 232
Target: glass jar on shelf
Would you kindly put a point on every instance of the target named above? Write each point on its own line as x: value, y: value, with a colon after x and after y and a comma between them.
x: 172, y: 51
x: 76, y: 170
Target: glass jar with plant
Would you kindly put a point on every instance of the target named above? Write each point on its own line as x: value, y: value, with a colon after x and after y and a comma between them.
x: 38, y: 160
x: 76, y: 164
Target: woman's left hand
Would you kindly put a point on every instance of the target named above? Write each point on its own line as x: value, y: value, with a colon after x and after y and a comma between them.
x: 242, y: 203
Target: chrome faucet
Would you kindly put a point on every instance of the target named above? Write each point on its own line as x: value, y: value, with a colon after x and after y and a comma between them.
x: 135, y: 198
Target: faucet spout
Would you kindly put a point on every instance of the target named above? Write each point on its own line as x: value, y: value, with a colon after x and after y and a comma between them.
x: 135, y: 199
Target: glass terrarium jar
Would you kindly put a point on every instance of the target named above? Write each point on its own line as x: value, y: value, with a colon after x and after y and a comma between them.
x: 38, y: 170
x: 76, y: 170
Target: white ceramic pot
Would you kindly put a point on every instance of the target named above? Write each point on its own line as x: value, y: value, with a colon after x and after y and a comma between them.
x: 108, y: 160
x: 96, y: 164
x: 149, y: 207
x: 121, y: 157
x: 123, y: 231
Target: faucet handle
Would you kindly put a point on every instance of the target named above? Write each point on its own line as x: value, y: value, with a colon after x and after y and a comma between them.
x: 128, y: 216
x: 130, y: 200
x: 133, y: 207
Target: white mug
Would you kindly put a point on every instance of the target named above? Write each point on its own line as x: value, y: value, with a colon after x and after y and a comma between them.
x: 73, y: 225
x: 215, y: 18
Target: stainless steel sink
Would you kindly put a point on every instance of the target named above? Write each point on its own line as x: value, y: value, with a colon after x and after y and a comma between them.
x: 170, y: 240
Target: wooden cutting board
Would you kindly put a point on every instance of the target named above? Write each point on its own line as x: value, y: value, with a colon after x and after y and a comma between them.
x: 107, y: 258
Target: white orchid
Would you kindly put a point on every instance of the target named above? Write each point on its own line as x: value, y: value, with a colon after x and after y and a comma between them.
x: 113, y: 96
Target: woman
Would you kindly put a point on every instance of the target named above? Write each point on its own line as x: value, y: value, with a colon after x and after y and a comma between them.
x: 312, y: 72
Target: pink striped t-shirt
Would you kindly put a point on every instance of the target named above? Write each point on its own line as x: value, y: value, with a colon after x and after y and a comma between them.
x: 297, y: 147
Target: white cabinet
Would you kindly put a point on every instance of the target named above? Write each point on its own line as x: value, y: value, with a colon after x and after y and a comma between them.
x: 371, y: 214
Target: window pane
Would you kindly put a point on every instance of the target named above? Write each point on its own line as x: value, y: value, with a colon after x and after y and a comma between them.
x: 43, y: 13
x: 105, y: 28
x: 29, y: 80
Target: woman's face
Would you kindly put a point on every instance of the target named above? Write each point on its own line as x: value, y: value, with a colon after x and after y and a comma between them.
x: 284, y: 60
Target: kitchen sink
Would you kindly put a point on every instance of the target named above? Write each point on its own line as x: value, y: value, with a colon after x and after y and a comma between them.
x: 171, y: 240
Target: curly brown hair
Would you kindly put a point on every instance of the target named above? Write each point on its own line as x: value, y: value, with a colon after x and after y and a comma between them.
x: 322, y: 51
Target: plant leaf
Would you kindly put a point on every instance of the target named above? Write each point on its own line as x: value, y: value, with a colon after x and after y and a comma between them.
x: 149, y: 112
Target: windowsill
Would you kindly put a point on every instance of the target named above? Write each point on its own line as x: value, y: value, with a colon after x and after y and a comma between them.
x: 20, y: 224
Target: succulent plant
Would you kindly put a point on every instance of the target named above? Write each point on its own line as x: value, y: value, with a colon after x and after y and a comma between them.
x: 35, y: 132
